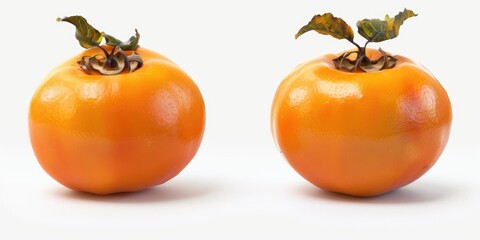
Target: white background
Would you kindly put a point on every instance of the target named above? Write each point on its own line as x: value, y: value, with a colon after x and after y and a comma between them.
x: 238, y: 186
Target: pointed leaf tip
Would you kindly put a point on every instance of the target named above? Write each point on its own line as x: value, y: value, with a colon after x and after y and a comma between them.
x: 86, y: 35
x: 327, y: 24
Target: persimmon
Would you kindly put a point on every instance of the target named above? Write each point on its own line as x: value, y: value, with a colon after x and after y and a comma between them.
x: 115, y: 118
x: 362, y: 122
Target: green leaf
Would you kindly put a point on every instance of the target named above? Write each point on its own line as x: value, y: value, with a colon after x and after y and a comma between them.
x: 111, y: 40
x: 376, y: 30
x: 86, y: 35
x: 327, y: 24
x: 130, y: 45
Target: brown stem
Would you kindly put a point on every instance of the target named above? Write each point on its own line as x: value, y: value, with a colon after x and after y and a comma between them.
x: 110, y: 62
x: 360, y: 49
x: 361, y: 53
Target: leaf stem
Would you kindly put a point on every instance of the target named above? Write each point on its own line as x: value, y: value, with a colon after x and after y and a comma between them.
x: 356, y: 45
x: 365, y: 46
x: 361, y: 51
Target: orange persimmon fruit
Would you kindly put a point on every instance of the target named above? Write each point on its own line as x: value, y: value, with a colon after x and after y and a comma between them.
x: 358, y: 126
x: 101, y: 128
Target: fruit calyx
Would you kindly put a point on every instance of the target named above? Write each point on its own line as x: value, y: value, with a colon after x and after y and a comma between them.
x: 115, y: 62
x: 362, y: 63
x: 374, y: 30
x: 111, y: 63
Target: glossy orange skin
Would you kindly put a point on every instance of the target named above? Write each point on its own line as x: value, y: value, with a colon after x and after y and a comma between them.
x: 361, y: 134
x: 117, y: 133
